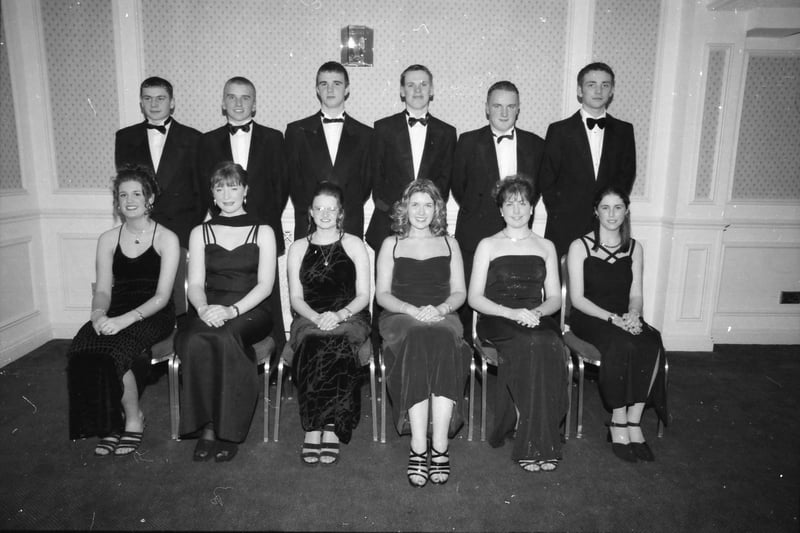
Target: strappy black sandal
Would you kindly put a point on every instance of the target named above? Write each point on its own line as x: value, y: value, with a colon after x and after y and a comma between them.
x: 107, y: 445
x: 417, y: 467
x: 310, y: 453
x: 440, y: 468
x: 129, y: 442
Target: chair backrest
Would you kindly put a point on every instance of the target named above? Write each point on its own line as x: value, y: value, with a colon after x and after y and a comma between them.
x: 180, y: 289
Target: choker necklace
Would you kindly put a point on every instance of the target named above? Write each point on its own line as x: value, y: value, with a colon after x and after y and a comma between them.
x: 516, y: 239
x: 137, y: 235
x: 605, y: 244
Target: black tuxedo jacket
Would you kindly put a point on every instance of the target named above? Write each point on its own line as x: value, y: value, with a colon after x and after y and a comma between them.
x: 475, y: 175
x: 266, y: 171
x: 567, y: 182
x: 309, y: 162
x: 392, y: 167
x: 178, y: 206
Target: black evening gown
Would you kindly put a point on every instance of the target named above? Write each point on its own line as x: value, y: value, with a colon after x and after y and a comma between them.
x: 326, y: 364
x: 96, y: 363
x: 628, y: 360
x: 423, y: 358
x: 531, y: 373
x: 219, y: 377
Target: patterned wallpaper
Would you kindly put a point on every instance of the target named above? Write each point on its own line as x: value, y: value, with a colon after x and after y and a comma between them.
x: 79, y: 44
x: 712, y: 114
x: 626, y: 37
x: 198, y: 44
x: 10, y: 176
x: 768, y: 158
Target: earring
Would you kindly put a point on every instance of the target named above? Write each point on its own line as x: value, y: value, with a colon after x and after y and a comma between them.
x: 147, y: 208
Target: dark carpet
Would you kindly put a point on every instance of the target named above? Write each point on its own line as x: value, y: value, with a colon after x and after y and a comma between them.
x: 728, y: 462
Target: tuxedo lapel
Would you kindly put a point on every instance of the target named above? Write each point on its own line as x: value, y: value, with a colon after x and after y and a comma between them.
x: 347, y: 144
x: 610, y: 138
x: 403, y: 143
x: 488, y: 155
x: 580, y: 141
x: 170, y: 156
x: 432, y: 140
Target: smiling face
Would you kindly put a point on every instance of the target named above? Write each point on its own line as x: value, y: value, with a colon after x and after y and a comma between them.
x: 611, y: 212
x: 156, y: 104
x: 131, y: 199
x: 502, y: 109
x: 417, y: 91
x: 324, y: 211
x: 332, y: 90
x: 229, y: 197
x: 516, y: 211
x: 239, y: 102
x: 421, y: 209
x: 595, y: 91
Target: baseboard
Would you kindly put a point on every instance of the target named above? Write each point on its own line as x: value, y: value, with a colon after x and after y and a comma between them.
x: 23, y: 346
x: 756, y: 336
x: 687, y: 343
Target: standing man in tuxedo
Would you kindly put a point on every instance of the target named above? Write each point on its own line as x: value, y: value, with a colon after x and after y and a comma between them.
x: 168, y: 148
x: 329, y: 145
x: 583, y: 154
x: 259, y: 150
x: 409, y: 145
x: 483, y: 157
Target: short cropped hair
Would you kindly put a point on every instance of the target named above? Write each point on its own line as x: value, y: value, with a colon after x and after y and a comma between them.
x: 240, y: 80
x: 400, y: 223
x: 333, y: 66
x: 595, y: 66
x: 155, y: 81
x: 512, y: 186
x: 414, y: 68
x: 503, y: 85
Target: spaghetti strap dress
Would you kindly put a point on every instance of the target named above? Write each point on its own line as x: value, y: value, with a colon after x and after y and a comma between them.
x: 531, y: 372
x: 218, y: 365
x: 627, y: 360
x: 96, y: 363
x: 327, y: 364
x: 423, y: 358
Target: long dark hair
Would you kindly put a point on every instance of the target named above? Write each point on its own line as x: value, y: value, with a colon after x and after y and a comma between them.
x: 142, y: 175
x: 625, y: 228
x: 327, y: 188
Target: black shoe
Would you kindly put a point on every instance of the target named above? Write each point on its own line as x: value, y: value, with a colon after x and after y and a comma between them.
x: 440, y: 468
x: 642, y: 449
x: 623, y: 451
x: 204, y: 449
x: 226, y: 451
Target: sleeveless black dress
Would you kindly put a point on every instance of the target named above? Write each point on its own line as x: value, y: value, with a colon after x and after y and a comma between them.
x: 218, y: 366
x: 423, y: 358
x: 96, y: 363
x: 326, y: 364
x: 531, y: 373
x: 628, y: 360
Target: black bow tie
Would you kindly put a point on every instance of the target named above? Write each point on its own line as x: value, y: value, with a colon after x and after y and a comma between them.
x: 326, y: 120
x: 412, y: 121
x: 244, y: 127
x: 510, y: 137
x: 162, y: 128
x: 601, y: 123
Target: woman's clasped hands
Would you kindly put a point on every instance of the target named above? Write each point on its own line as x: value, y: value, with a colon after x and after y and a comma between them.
x: 426, y: 313
x: 215, y: 315
x: 525, y: 317
x: 630, y: 322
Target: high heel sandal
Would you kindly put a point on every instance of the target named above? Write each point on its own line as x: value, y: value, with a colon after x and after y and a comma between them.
x: 623, y: 451
x: 440, y: 468
x: 641, y: 449
x: 417, y: 466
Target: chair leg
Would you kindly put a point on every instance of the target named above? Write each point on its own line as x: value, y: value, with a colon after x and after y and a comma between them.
x: 278, y: 392
x: 570, y: 368
x: 373, y: 400
x: 579, y: 433
x: 266, y: 399
x: 471, y: 421
x: 382, y: 365
x: 484, y: 372
x: 659, y: 425
x: 173, y: 381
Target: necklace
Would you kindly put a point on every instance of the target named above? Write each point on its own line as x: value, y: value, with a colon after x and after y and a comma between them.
x: 516, y: 239
x: 607, y: 245
x: 326, y: 256
x: 137, y: 235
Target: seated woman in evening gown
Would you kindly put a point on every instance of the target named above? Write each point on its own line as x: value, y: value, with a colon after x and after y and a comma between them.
x: 605, y: 286
x: 329, y: 291
x: 131, y: 310
x: 509, y: 272
x: 420, y: 284
x: 231, y: 274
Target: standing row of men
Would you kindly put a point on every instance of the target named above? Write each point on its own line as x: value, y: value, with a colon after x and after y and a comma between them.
x: 579, y: 155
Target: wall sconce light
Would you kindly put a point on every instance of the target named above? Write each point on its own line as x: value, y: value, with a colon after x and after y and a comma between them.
x: 356, y: 46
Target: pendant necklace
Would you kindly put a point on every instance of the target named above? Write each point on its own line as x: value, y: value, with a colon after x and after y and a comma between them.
x: 326, y: 256
x: 516, y: 239
x: 137, y: 236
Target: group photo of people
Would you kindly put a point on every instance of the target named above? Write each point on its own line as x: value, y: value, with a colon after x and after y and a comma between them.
x: 421, y: 300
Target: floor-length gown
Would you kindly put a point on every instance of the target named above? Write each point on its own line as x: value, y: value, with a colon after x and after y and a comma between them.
x: 96, y: 363
x: 423, y: 358
x: 326, y: 364
x: 531, y: 373
x: 219, y: 377
x: 628, y: 360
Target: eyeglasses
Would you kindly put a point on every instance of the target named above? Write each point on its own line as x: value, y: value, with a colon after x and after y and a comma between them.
x: 321, y: 210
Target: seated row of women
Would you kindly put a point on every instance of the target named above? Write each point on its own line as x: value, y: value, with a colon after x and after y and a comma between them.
x: 419, y: 284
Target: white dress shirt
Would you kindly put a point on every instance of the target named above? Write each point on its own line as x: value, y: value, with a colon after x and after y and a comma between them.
x: 333, y: 134
x: 506, y: 152
x: 240, y: 145
x: 417, y: 134
x: 156, y: 141
x: 595, y: 136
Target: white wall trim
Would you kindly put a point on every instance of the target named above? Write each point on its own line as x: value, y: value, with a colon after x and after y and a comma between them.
x: 25, y: 345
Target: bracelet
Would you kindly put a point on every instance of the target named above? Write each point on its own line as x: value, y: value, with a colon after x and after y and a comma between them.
x: 449, y: 307
x: 611, y: 318
x: 141, y: 316
x: 235, y: 309
x: 349, y: 312
x: 538, y: 313
x: 96, y: 310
